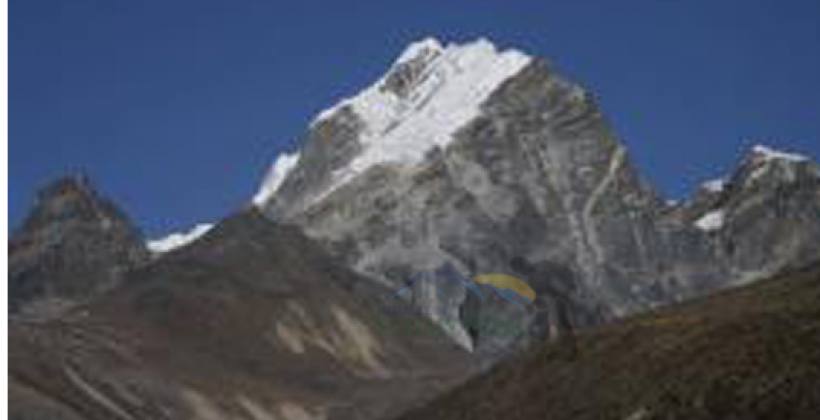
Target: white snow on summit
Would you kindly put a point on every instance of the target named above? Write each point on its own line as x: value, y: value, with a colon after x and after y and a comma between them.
x: 761, y: 156
x: 453, y: 83
x: 770, y: 154
x: 176, y: 240
x: 276, y: 175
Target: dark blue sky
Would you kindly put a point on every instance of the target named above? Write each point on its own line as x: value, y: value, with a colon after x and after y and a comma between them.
x: 175, y: 108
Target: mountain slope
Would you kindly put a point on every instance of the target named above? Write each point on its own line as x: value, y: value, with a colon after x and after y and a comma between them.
x: 252, y: 320
x: 749, y: 353
x: 490, y: 161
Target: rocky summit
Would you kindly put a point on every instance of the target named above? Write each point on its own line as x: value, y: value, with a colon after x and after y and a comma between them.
x: 490, y: 161
x: 74, y: 244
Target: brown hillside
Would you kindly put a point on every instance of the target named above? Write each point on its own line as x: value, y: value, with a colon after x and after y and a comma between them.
x: 748, y: 353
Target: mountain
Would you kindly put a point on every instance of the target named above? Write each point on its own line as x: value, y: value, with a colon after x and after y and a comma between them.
x: 74, y: 244
x: 751, y: 353
x: 469, y: 205
x: 490, y: 161
x: 252, y: 321
x: 762, y: 217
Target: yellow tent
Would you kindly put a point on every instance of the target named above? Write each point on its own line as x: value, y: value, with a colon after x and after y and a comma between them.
x: 506, y: 281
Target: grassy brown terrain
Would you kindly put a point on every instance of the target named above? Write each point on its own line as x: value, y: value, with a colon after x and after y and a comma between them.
x: 747, y: 353
x: 253, y: 321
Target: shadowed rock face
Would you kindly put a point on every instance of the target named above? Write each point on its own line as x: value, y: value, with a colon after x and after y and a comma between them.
x: 538, y: 186
x: 74, y: 244
x: 252, y: 320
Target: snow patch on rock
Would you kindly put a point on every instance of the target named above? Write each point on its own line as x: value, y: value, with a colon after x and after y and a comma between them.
x: 276, y: 175
x: 711, y: 221
x: 178, y: 239
x: 714, y: 185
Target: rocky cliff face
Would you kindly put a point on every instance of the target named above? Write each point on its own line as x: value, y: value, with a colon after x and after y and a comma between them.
x: 490, y: 162
x: 765, y: 216
x: 74, y: 244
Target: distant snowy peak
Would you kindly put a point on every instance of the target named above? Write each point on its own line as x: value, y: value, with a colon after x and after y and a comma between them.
x: 761, y: 172
x: 276, y: 175
x: 179, y: 239
x: 756, y: 163
x: 766, y: 153
x: 763, y: 162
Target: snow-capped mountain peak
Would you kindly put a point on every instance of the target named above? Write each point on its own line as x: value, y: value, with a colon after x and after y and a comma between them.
x: 757, y: 161
x: 426, y: 96
x: 766, y: 153
x: 762, y: 162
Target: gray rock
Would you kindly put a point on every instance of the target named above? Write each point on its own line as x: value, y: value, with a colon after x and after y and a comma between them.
x: 538, y: 186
